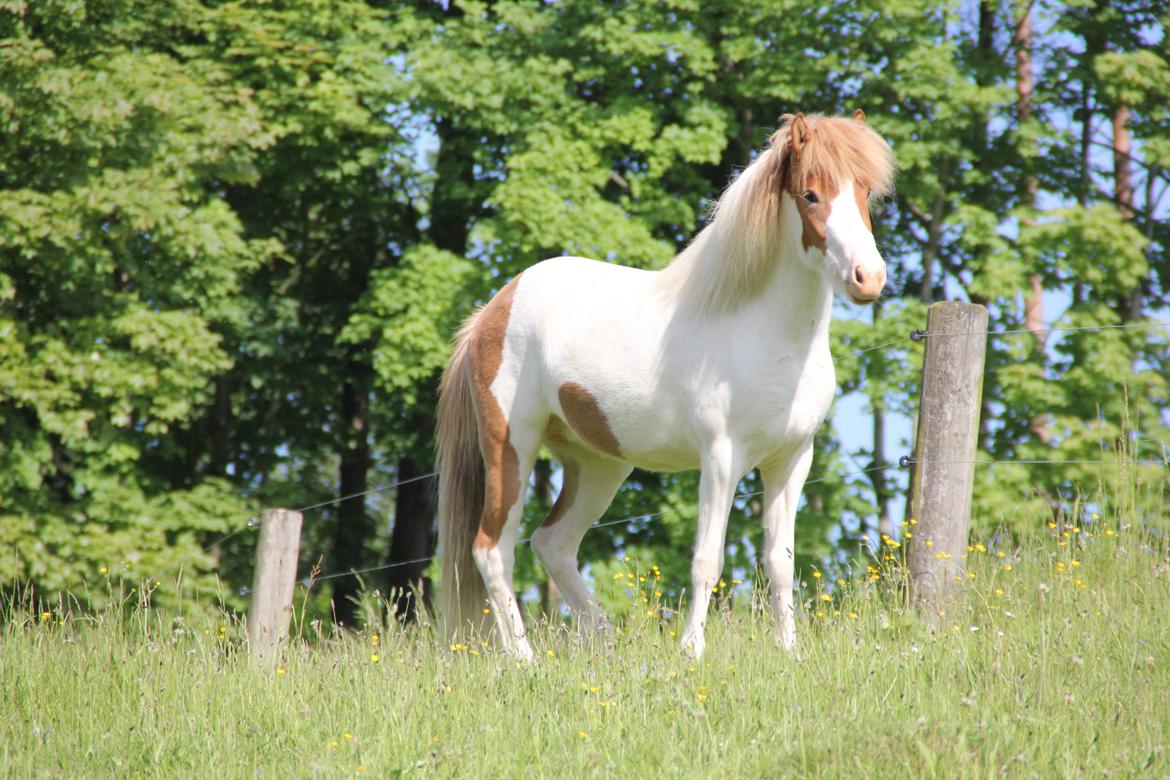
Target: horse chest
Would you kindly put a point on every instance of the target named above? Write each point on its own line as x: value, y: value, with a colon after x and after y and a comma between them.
x: 789, y: 402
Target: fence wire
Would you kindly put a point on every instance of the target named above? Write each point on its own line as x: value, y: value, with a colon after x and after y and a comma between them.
x: 916, y: 335
x: 254, y: 522
x: 919, y: 335
x: 903, y: 463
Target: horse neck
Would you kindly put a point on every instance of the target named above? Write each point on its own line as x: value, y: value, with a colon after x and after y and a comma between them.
x: 790, y: 301
x: 796, y: 304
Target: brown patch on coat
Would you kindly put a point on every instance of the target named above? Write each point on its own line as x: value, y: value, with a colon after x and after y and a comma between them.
x: 501, y: 464
x: 814, y: 217
x: 586, y: 418
x: 861, y: 195
x: 570, y: 476
x: 557, y: 432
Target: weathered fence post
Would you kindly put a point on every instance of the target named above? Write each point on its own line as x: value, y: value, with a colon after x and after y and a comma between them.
x: 272, y: 584
x: 944, y: 453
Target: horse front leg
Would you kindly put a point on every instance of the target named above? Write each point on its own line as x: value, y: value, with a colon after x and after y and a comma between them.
x: 716, y: 486
x: 783, y: 482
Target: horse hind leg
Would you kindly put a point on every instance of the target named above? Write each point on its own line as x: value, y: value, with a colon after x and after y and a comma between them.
x: 588, y: 486
x: 508, y: 462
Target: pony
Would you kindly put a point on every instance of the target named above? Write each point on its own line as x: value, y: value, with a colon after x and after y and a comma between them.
x: 719, y: 361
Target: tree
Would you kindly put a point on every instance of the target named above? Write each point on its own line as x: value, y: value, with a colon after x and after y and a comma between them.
x: 116, y: 262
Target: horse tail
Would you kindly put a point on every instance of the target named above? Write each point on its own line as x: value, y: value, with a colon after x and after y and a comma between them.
x: 461, y: 491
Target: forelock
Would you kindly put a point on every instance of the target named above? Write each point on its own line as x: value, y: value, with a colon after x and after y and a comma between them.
x: 836, y: 149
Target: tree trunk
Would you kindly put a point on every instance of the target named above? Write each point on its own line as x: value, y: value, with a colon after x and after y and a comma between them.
x: 221, y: 426
x: 1034, y: 305
x: 453, y: 203
x: 550, y: 602
x: 1025, y: 87
x: 354, y: 526
x: 933, y: 242
x: 877, y: 473
x: 413, y: 540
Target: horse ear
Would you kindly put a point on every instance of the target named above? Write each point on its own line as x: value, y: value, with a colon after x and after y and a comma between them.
x: 859, y: 116
x: 799, y: 133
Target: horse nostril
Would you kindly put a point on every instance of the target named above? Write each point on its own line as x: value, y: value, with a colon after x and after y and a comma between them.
x: 858, y: 276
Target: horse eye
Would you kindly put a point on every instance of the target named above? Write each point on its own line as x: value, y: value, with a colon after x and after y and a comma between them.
x: 810, y: 197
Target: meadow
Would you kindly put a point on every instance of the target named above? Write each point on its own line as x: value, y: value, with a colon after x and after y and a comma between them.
x: 1053, y: 662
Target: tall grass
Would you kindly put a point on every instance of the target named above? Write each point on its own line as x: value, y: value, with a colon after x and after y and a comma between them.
x: 1054, y: 662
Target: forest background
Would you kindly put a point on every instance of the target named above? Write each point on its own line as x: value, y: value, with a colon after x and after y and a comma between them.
x: 236, y: 239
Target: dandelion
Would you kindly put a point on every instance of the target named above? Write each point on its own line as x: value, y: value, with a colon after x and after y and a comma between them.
x: 1007, y: 567
x: 551, y: 654
x: 1075, y: 562
x: 1059, y: 567
x: 816, y: 574
x: 999, y: 591
x: 104, y: 570
x: 826, y: 597
x: 333, y: 743
x: 929, y: 543
x: 46, y: 615
x: 374, y: 640
x: 820, y: 613
x: 375, y: 658
x: 581, y: 735
x: 701, y: 696
x: 347, y: 737
x: 1001, y: 554
x: 487, y: 611
x: 892, y: 544
x: 360, y: 769
x: 1096, y: 516
x: 980, y: 548
x: 281, y: 671
x: 1051, y: 524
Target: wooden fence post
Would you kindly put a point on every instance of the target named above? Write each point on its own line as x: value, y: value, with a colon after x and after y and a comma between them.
x: 273, y: 581
x: 944, y: 452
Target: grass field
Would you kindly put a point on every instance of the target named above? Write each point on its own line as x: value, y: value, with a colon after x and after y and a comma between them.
x: 1056, y: 663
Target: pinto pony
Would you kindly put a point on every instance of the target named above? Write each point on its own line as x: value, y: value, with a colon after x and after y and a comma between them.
x: 720, y: 362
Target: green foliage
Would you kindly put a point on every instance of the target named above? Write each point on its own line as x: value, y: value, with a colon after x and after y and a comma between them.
x: 115, y: 257
x: 411, y: 311
x: 236, y: 239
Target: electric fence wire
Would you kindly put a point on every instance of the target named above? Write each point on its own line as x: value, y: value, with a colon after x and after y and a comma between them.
x: 919, y: 335
x: 253, y: 522
x: 904, y: 462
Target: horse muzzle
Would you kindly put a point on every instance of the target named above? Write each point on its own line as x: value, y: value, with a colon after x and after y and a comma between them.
x: 866, y: 282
